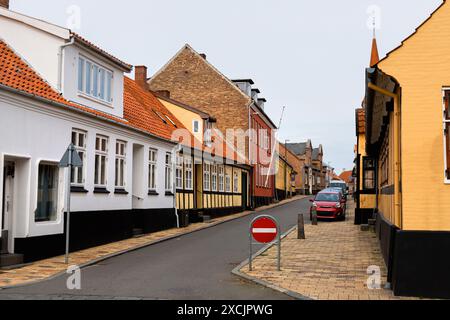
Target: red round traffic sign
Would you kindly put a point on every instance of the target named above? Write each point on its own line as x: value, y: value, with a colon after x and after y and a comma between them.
x: 264, y: 230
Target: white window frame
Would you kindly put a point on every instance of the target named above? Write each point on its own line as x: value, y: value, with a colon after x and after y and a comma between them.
x: 235, y: 182
x: 179, y: 173
x: 168, y: 172
x: 80, y: 148
x: 152, y: 169
x: 214, y: 176
x: 221, y: 178
x: 100, y: 73
x: 227, y: 182
x: 121, y: 162
x: 188, y: 174
x: 98, y: 165
x: 207, y: 176
x: 445, y: 122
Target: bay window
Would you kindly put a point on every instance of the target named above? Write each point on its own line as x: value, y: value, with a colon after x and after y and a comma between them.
x: 94, y: 80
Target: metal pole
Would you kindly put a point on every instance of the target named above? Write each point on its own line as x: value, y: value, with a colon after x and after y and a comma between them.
x: 279, y: 247
x: 251, y: 248
x: 69, y: 178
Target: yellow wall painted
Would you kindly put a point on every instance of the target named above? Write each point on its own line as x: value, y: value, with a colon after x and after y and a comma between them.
x: 186, y: 117
x: 422, y: 67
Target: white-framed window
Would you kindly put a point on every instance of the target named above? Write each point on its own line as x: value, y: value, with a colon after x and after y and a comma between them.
x: 214, y: 177
x: 152, y: 166
x: 227, y: 182
x: 188, y: 167
x: 94, y: 80
x: 235, y: 183
x: 101, y: 161
x: 196, y: 126
x: 47, y: 193
x: 79, y: 141
x: 121, y: 149
x: 207, y: 177
x: 221, y: 178
x: 179, y: 172
x: 168, y: 171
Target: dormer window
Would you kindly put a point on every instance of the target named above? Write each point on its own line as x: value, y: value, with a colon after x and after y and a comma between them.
x: 94, y: 80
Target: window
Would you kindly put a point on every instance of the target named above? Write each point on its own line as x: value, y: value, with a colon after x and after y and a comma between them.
x: 168, y: 171
x: 188, y: 173
x: 214, y: 177
x: 179, y: 173
x: 94, y: 80
x: 207, y: 177
x: 152, y: 163
x: 47, y: 200
x: 369, y: 167
x: 79, y: 141
x: 221, y: 179
x: 227, y: 182
x: 196, y: 126
x: 235, y: 183
x: 101, y: 160
x: 121, y: 147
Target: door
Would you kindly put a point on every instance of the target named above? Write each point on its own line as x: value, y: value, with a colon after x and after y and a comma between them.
x: 199, y: 186
x: 244, y: 190
x: 7, y: 208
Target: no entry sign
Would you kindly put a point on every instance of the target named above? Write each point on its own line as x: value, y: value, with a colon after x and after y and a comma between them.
x: 264, y: 230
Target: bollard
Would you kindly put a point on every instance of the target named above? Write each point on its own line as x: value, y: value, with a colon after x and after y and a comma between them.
x: 314, y: 218
x: 301, y: 227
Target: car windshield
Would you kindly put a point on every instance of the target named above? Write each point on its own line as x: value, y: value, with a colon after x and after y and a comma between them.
x: 327, y: 197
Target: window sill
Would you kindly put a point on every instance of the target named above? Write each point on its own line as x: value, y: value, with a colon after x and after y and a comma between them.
x: 153, y: 193
x: 101, y: 191
x: 169, y: 194
x: 75, y: 189
x: 121, y: 191
x: 93, y: 99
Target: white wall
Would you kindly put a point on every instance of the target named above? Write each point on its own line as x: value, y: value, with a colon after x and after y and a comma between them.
x: 38, y: 132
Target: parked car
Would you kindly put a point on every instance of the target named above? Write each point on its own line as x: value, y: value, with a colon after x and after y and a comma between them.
x: 344, y: 198
x: 329, y: 204
x: 341, y: 185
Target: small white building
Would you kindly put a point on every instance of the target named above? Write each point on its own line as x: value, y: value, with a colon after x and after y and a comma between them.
x: 57, y: 88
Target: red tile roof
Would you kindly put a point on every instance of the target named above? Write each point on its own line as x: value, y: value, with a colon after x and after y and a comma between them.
x: 346, y: 176
x: 142, y: 110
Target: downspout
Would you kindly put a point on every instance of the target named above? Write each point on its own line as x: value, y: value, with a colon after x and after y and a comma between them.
x: 60, y: 62
x: 176, y: 150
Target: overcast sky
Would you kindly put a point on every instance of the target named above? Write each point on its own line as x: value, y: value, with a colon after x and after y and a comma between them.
x: 306, y: 55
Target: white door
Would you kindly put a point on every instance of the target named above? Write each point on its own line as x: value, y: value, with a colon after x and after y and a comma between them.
x: 8, y: 201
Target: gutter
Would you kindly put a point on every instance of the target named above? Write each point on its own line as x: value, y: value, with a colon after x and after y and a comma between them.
x: 60, y: 62
x: 79, y: 111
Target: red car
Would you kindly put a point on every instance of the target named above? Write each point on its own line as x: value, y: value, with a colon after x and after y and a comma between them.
x: 329, y: 204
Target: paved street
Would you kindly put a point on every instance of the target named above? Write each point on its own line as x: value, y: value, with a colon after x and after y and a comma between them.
x: 195, y: 266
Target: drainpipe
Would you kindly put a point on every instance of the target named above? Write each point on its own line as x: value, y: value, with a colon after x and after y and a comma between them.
x: 175, y: 151
x: 60, y: 62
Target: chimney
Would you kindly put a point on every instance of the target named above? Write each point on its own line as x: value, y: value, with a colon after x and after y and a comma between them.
x: 164, y: 93
x: 4, y: 3
x: 203, y: 55
x: 140, y: 76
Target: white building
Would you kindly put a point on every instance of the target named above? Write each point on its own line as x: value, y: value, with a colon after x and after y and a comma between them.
x: 122, y: 133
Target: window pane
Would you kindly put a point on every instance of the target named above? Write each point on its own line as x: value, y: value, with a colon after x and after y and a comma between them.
x: 108, y: 86
x: 95, y: 81
x: 102, y: 84
x: 80, y: 74
x: 88, y: 77
x: 103, y: 171
x: 96, y: 170
x: 47, y: 201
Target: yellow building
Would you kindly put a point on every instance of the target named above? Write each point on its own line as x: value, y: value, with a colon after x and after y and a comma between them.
x: 210, y: 179
x: 285, y: 174
x: 408, y: 142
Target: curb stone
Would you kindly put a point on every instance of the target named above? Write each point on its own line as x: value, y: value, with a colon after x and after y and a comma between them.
x: 165, y: 239
x: 237, y: 272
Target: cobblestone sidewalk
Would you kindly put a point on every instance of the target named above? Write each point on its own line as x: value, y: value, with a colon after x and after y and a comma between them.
x: 331, y: 264
x: 45, y: 269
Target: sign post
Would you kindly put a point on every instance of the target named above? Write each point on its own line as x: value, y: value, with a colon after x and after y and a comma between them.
x: 264, y: 229
x: 71, y: 159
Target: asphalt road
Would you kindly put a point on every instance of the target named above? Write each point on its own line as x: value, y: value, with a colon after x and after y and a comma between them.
x: 195, y: 266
